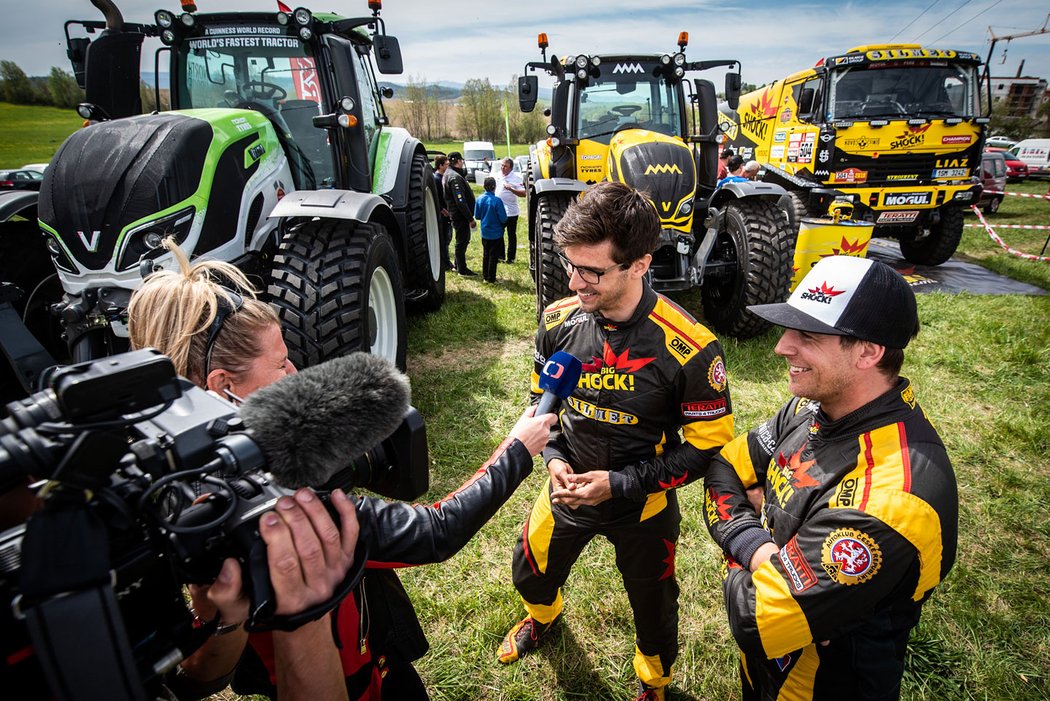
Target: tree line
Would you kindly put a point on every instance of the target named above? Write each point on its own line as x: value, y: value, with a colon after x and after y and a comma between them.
x: 482, y: 111
x: 59, y: 88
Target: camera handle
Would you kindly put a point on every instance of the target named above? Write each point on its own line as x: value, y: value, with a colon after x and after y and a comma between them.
x: 71, y: 612
x: 261, y: 616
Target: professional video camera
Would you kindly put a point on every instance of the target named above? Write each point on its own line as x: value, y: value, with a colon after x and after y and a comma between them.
x: 145, y: 482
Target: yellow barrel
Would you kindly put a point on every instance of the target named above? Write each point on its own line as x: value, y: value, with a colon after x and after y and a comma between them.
x: 820, y: 238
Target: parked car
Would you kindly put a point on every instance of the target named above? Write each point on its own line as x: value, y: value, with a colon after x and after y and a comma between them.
x: 993, y: 180
x: 521, y: 163
x: 38, y: 167
x: 1000, y: 142
x: 1036, y: 155
x: 496, y: 169
x: 20, y: 180
x: 1016, y: 169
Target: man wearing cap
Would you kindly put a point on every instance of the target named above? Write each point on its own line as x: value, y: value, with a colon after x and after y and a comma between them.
x: 839, y: 515
x: 459, y: 199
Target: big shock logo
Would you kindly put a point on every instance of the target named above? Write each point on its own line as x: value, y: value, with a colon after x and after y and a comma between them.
x: 612, y: 371
x: 914, y: 136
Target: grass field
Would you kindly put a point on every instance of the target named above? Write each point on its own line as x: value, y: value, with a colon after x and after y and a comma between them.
x: 980, y: 368
x: 33, y: 134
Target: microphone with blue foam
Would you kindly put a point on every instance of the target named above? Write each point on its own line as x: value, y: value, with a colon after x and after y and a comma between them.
x: 559, y: 377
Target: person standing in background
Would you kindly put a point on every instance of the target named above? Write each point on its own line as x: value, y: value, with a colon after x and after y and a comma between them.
x: 444, y: 225
x: 490, y: 212
x: 459, y: 199
x: 509, y: 187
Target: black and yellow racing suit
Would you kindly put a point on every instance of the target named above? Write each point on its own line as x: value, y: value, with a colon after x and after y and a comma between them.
x: 643, y: 380
x: 864, y: 510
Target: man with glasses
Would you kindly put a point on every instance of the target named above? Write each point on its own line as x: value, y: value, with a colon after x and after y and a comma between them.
x: 650, y: 412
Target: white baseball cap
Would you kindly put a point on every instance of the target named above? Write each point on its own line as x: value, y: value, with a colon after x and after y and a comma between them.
x: 848, y: 296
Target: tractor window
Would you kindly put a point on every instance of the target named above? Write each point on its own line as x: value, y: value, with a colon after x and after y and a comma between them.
x: 370, y: 113
x: 607, y: 105
x: 273, y: 75
x: 918, y: 89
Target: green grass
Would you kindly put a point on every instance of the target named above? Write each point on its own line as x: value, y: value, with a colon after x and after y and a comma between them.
x: 980, y: 368
x: 33, y: 134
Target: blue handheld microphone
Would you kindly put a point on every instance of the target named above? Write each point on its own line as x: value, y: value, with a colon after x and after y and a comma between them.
x: 559, y: 377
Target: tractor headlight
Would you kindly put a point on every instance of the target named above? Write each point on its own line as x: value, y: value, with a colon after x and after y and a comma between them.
x: 302, y: 17
x: 596, y: 61
x: 188, y: 20
x: 581, y: 74
x: 282, y: 19
x: 679, y: 71
x: 551, y: 129
x: 581, y: 61
x: 149, y: 236
x: 305, y: 33
x: 679, y: 59
x: 164, y: 19
x: 59, y: 256
x: 167, y: 37
x: 665, y: 60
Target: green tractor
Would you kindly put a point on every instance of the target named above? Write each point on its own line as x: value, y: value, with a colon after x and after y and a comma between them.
x: 277, y: 156
x: 636, y: 119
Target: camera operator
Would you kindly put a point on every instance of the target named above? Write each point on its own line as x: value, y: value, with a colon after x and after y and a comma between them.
x: 231, y: 343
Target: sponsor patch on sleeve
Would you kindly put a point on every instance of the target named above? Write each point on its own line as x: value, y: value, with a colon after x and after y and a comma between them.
x: 850, y: 556
x: 716, y: 375
x: 704, y: 410
x: 800, y: 574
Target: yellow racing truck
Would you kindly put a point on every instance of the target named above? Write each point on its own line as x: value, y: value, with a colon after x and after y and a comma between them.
x: 894, y: 128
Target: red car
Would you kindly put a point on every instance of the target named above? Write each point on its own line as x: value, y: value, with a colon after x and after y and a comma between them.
x: 1016, y: 169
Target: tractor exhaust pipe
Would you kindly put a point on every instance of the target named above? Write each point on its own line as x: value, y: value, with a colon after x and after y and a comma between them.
x: 114, y: 20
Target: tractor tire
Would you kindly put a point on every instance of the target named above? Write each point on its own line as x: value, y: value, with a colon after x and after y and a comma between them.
x: 758, y: 245
x: 552, y: 283
x: 424, y: 258
x: 26, y: 263
x: 796, y: 205
x: 939, y: 245
x: 526, y: 179
x: 337, y: 289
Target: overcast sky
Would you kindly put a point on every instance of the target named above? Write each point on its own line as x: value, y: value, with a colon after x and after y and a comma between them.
x: 458, y: 40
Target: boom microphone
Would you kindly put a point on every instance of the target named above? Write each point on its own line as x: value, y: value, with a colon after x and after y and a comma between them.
x: 312, y: 424
x: 559, y: 377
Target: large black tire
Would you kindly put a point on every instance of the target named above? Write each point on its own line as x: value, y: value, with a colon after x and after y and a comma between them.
x: 757, y: 247
x: 551, y: 281
x: 796, y: 205
x: 939, y: 245
x: 25, y: 262
x: 425, y: 277
x: 337, y: 288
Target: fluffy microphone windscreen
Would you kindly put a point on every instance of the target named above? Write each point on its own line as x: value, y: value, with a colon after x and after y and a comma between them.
x: 311, y: 424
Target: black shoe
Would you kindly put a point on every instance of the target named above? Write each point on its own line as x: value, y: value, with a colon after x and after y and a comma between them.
x: 510, y: 261
x: 467, y: 273
x: 522, y: 639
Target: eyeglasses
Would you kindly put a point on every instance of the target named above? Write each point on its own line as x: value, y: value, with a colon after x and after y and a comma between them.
x: 226, y: 307
x: 588, y: 275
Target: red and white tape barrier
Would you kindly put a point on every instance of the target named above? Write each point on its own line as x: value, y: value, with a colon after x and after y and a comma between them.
x: 1002, y: 244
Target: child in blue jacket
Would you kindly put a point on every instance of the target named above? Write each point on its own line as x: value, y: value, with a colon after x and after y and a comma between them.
x: 492, y: 215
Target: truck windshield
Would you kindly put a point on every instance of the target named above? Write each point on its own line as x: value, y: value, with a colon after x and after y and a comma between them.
x: 620, y: 101
x: 918, y: 89
x: 478, y: 154
x: 251, y: 68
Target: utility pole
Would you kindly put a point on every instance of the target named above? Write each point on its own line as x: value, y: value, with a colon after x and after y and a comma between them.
x: 1007, y: 38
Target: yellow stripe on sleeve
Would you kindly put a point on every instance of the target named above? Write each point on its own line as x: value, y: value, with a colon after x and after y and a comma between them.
x: 736, y: 454
x: 709, y: 434
x: 782, y: 627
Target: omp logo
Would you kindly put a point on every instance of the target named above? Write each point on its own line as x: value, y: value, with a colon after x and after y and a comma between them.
x: 906, y: 199
x: 90, y: 244
x: 663, y: 168
x: 822, y: 294
x: 628, y: 68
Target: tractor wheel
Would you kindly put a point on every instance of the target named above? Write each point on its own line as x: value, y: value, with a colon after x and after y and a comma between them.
x: 937, y: 246
x: 796, y: 205
x: 25, y: 262
x: 425, y: 258
x: 756, y: 248
x: 551, y: 281
x: 337, y: 289
x: 526, y: 179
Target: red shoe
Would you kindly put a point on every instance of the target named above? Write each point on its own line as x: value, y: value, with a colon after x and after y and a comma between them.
x: 651, y: 693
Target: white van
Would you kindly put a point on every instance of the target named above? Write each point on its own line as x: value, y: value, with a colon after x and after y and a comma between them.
x: 1035, y: 153
x: 478, y: 155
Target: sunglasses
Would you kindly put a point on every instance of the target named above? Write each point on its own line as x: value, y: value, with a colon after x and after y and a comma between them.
x: 226, y: 307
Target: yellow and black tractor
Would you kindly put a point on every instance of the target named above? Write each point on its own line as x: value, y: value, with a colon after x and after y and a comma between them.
x: 894, y: 128
x: 637, y: 119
